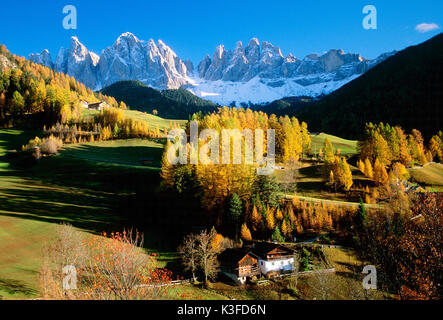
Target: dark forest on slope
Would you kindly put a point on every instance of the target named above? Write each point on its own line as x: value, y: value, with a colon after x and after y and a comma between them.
x: 404, y: 90
x: 172, y: 104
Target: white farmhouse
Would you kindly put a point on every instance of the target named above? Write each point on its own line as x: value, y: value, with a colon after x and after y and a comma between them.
x: 98, y: 106
x: 274, y: 258
x: 84, y: 104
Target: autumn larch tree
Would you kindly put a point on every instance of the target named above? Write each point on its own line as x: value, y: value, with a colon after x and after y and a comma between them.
x: 246, y: 233
x: 380, y: 174
x: 329, y: 155
x: 256, y: 219
x: 270, y: 221
x: 368, y: 169
x: 347, y: 175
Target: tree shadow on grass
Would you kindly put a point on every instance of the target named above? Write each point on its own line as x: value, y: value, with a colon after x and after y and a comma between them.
x: 124, y: 155
x: 352, y: 270
x: 310, y: 172
x: 85, y: 188
x: 16, y: 287
x: 86, y: 194
x: 85, y: 211
x: 99, y: 176
x: 11, y: 139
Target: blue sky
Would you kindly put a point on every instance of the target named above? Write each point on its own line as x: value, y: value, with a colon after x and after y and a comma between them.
x: 194, y: 28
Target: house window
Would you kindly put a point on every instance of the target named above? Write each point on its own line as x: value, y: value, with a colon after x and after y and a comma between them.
x: 273, y: 263
x: 261, y: 263
x: 282, y: 263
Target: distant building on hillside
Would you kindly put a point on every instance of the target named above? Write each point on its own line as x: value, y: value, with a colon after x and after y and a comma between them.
x: 98, y: 106
x: 84, y: 104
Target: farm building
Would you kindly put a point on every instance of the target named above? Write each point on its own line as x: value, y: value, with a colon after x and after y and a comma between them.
x: 84, y: 104
x: 239, y: 265
x: 98, y: 106
x: 274, y: 258
x: 263, y: 258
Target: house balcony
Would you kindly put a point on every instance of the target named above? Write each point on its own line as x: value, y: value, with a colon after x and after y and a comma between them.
x: 249, y: 272
x: 274, y: 258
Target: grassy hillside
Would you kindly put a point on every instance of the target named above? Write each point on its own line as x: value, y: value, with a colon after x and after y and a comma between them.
x: 153, y: 121
x: 170, y: 104
x: 95, y: 187
x: 404, y: 90
x: 347, y: 147
x: 431, y: 174
x: 126, y: 152
x: 63, y: 188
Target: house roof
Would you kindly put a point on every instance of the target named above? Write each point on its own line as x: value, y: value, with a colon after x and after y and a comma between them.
x: 262, y: 249
x: 234, y: 256
x: 95, y: 104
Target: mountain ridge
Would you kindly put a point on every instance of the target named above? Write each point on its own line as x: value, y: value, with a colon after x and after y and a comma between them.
x: 257, y: 73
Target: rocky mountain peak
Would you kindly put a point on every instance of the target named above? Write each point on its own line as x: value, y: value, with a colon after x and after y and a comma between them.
x: 243, y: 74
x: 220, y: 52
x: 259, y: 72
x: 128, y: 58
x: 254, y: 42
x: 291, y: 58
x: 44, y: 58
x: 127, y: 36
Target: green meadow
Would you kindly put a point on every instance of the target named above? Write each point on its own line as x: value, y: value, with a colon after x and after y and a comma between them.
x: 430, y: 175
x: 152, y: 120
x: 347, y: 147
x: 83, y: 186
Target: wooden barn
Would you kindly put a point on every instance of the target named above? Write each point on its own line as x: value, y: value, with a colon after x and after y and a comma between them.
x: 98, y: 106
x: 239, y: 265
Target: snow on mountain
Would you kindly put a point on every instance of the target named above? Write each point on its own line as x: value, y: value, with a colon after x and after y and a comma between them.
x: 259, y: 73
x: 260, y: 91
x: 78, y: 62
x: 255, y: 73
x: 43, y: 58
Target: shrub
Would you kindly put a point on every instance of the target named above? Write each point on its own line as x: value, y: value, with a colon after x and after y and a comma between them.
x: 107, y: 268
x: 305, y: 260
x: 51, y: 145
x: 48, y: 146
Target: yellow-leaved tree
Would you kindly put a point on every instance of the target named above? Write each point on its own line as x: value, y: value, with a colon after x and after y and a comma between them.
x: 368, y: 169
x: 246, y: 233
x: 380, y: 174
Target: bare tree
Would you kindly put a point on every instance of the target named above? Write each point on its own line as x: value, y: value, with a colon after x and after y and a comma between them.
x: 188, y: 251
x: 108, y: 268
x: 208, y: 254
